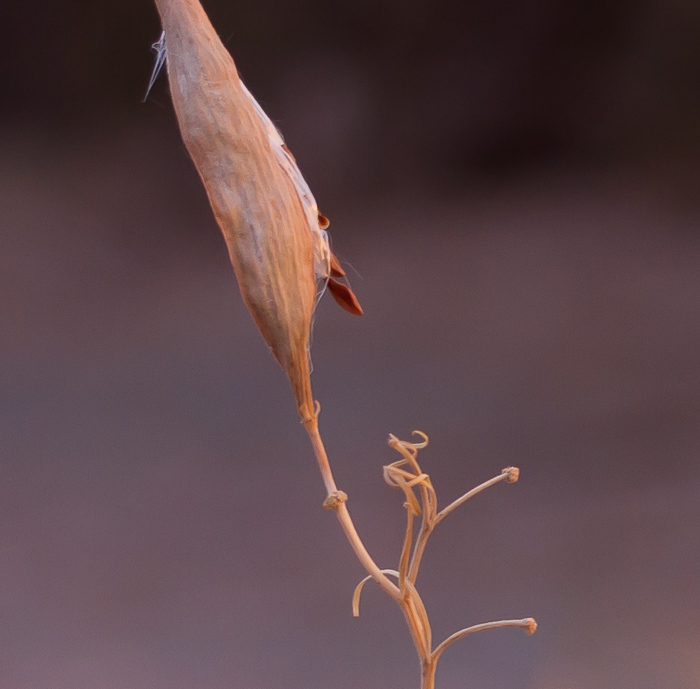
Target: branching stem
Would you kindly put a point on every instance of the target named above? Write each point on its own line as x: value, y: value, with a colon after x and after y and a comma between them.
x: 405, y: 594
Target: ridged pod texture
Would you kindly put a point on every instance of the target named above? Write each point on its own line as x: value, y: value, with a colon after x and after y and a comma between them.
x: 254, y: 201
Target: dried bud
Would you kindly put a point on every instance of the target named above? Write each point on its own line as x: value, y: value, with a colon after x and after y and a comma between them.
x: 513, y: 474
x: 264, y: 208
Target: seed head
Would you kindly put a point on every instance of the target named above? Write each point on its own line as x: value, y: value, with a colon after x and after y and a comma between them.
x: 275, y: 235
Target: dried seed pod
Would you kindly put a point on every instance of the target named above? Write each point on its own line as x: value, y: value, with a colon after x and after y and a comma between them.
x: 277, y: 254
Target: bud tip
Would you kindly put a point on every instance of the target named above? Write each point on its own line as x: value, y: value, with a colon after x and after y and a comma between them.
x: 513, y: 474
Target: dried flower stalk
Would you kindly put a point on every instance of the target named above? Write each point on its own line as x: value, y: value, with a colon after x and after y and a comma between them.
x: 421, y: 501
x: 279, y: 250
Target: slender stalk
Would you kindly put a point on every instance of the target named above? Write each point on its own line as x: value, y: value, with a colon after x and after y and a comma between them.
x: 336, y: 501
x: 504, y: 476
x: 406, y: 550
x: 528, y: 624
x: 324, y: 466
x: 418, y: 625
x: 427, y: 523
x: 428, y: 675
x: 419, y: 548
x: 406, y: 594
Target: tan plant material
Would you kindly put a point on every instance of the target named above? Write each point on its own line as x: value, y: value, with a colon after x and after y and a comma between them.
x: 279, y: 249
x: 266, y: 212
x: 421, y: 501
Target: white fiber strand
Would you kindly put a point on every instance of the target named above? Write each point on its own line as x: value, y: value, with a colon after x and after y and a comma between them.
x: 159, y: 49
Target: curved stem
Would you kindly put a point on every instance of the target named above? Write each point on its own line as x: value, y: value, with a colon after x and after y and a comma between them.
x: 338, y: 505
x: 324, y: 466
x: 429, y: 500
x: 528, y: 624
x: 418, y: 622
x: 470, y: 494
x: 406, y: 550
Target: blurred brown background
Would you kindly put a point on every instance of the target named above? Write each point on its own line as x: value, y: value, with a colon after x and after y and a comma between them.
x: 516, y: 186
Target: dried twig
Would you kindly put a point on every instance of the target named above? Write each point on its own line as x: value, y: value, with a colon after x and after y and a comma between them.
x: 408, y: 480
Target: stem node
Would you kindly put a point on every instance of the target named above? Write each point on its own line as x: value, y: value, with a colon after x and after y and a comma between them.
x: 335, y: 500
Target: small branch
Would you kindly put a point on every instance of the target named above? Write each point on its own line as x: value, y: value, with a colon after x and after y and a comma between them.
x: 363, y: 556
x: 406, y: 549
x: 324, y: 466
x: 528, y: 624
x: 406, y: 594
x: 509, y: 474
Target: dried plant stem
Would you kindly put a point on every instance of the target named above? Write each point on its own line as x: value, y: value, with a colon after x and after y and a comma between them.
x: 406, y: 474
x: 324, y: 466
x: 528, y: 624
x: 335, y: 501
x: 430, y: 666
x: 503, y: 476
x: 427, y: 525
x: 405, y: 594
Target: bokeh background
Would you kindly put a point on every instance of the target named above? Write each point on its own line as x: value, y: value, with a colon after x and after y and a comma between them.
x: 514, y: 189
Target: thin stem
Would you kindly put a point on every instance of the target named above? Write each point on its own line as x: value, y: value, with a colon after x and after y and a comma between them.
x: 428, y: 498
x: 418, y: 623
x: 470, y: 494
x: 406, y: 549
x: 427, y: 524
x: 362, y: 555
x: 419, y: 548
x: 419, y: 617
x: 428, y: 675
x: 321, y: 456
x: 338, y: 505
x: 509, y: 474
x: 528, y: 624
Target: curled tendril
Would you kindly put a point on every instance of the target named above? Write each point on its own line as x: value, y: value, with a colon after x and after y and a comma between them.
x: 424, y: 444
x: 358, y: 590
x: 421, y: 501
